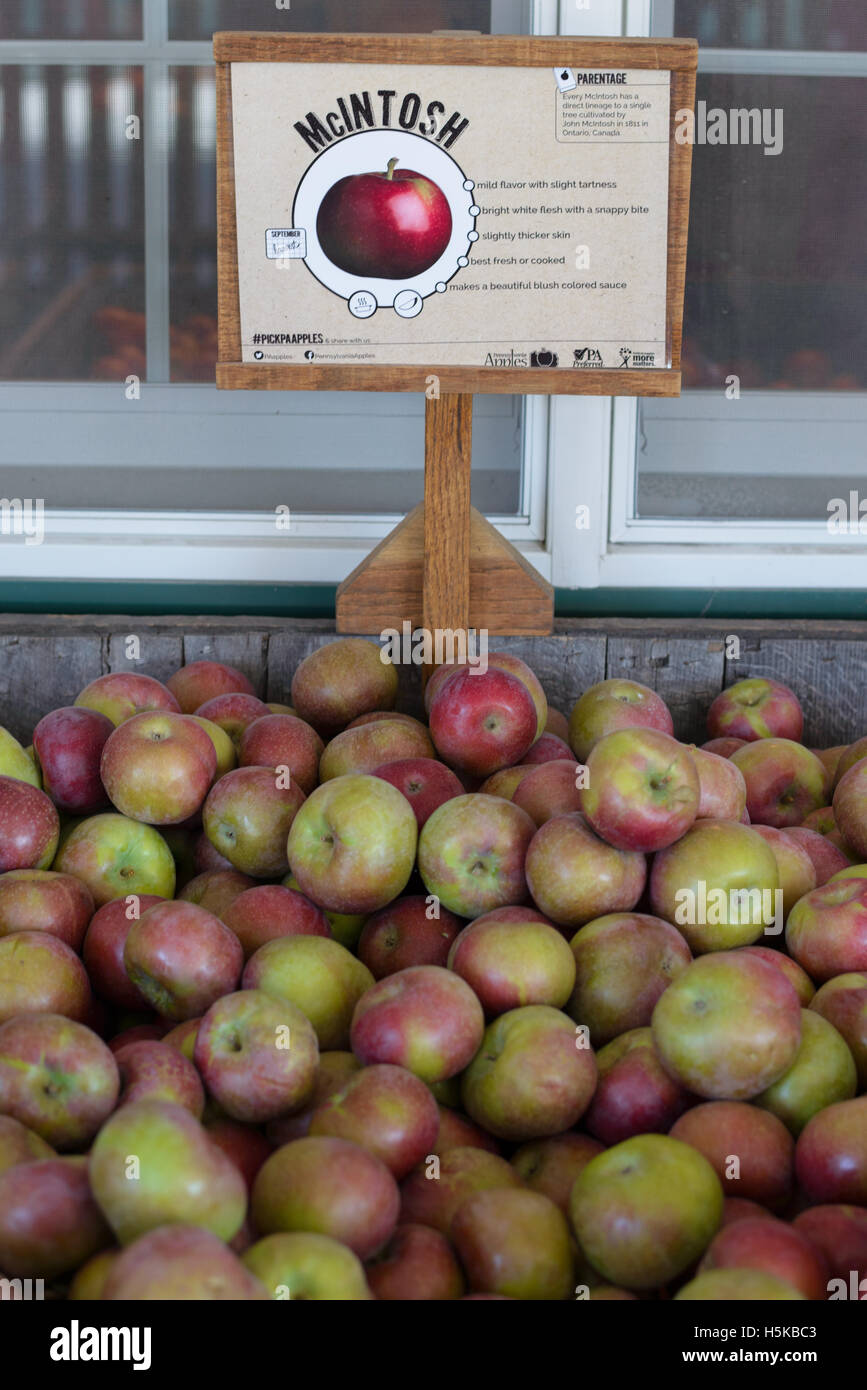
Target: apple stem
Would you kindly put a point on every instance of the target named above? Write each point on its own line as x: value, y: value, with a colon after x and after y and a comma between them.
x: 391, y: 168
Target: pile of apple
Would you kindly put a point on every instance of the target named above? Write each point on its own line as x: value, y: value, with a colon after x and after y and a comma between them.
x: 324, y: 1002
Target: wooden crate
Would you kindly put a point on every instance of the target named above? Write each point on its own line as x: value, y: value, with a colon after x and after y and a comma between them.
x: 45, y: 661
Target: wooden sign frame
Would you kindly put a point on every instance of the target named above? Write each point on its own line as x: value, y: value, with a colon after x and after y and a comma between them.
x: 677, y: 56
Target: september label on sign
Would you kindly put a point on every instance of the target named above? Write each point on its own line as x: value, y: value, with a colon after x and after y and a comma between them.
x: 466, y: 216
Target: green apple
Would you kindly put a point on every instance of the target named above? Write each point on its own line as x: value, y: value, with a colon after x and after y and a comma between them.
x: 116, y: 857
x: 16, y: 762
x: 304, y: 1265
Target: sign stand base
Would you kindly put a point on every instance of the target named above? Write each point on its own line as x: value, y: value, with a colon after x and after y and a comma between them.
x: 445, y: 567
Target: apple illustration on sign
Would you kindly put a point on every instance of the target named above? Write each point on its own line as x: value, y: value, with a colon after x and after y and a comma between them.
x: 390, y: 225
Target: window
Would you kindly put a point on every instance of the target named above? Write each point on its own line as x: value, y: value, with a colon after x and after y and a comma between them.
x: 108, y: 279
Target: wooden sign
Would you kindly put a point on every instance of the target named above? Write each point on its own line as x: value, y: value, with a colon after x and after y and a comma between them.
x: 484, y: 214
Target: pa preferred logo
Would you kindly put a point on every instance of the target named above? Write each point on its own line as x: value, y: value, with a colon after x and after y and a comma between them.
x: 587, y: 357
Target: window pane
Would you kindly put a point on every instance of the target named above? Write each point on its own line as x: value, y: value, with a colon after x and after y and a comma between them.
x: 198, y: 19
x: 190, y: 101
x: 71, y: 19
x: 71, y: 220
x: 790, y: 24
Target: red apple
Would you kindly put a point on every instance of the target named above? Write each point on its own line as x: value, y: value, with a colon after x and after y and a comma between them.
x: 723, y: 747
x: 831, y: 1154
x: 471, y: 853
x: 457, y: 1132
x: 751, y: 1151
x: 341, y: 680
x: 258, y: 1056
x: 843, y: 1003
x: 233, y: 713
x: 123, y: 694
x: 158, y: 767
x: 247, y: 817
x: 722, y: 789
x: 384, y: 225
x: 794, y: 865
x: 244, y: 1145
x: 282, y: 740
x: 269, y: 911
x: 432, y: 1196
x: 756, y: 708
x: 850, y: 807
x: 574, y: 876
x: 550, y: 1166
x: 612, y: 705
x: 69, y: 743
x: 557, y: 724
x: 334, y: 1070
x: 216, y: 889
x: 103, y: 950
x: 180, y: 1262
x: 424, y: 782
x: 509, y: 961
x: 29, y: 826
x: 624, y: 962
x: 410, y: 931
x: 57, y: 1078
x: 549, y: 748
x: 386, y: 1110
x: 840, y: 1232
x: 49, y: 1222
x: 826, y: 857
x: 40, y: 974
x: 642, y: 790
x: 516, y: 1243
x: 804, y: 987
x: 773, y: 1248
x: 366, y: 747
x: 425, y: 1019
x: 182, y: 959
x: 785, y: 781
x: 549, y: 789
x: 481, y: 721
x: 847, y: 756
x: 417, y: 1264
x: 156, y: 1071
x: 39, y: 900
x: 634, y: 1094
x: 18, y: 1144
x: 200, y: 681
x: 827, y: 930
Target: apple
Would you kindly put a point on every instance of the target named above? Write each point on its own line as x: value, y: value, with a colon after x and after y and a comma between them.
x: 29, y: 826
x: 366, y: 748
x: 457, y: 1132
x: 177, y: 1262
x: 425, y: 782
x: 89, y: 1281
x: 831, y: 1154
x: 734, y: 1285
x: 514, y: 1242
x: 49, y: 1222
x: 557, y: 724
x: 283, y: 740
x: 178, y: 1174
x: 718, y: 885
x: 375, y: 715
x: 69, y: 744
x: 57, y: 1078
x: 612, y: 705
x: 338, y: 682
x: 39, y: 900
x: 822, y: 1073
x: 624, y: 961
x: 418, y: 1264
x: 158, y: 767
x: 301, y: 1265
x: 642, y: 790
x: 827, y: 930
x: 821, y: 821
x: 723, y: 747
x: 315, y: 974
x: 257, y: 1055
x: 830, y: 760
x: 269, y: 911
x: 387, y: 1111
x: 432, y: 1196
x: 223, y: 745
x: 199, y: 681
x: 426, y: 1019
x: 827, y: 858
x: 390, y: 224
x: 329, y: 1186
x: 247, y: 817
x: 645, y: 1210
x: 140, y: 1032
x: 850, y: 807
x: 574, y: 876
x: 334, y: 1070
x: 550, y: 1166
x: 507, y: 661
x: 103, y: 950
x: 531, y: 1077
x: 123, y: 694
x: 39, y: 974
x: 634, y: 1094
x: 18, y: 762
x: 471, y: 854
x: 785, y: 781
x: 115, y: 857
x: 756, y: 708
x: 233, y: 713
x: 840, y: 1232
x: 206, y: 858
x: 549, y: 748
x: 506, y: 782
x: 509, y: 961
x: 482, y: 721
x: 722, y: 789
x: 182, y: 959
x: 728, y: 1027
x: 243, y: 1144
x: 410, y: 931
x: 18, y: 1144
x: 842, y: 1001
x: 216, y: 889
x: 739, y: 1209
x: 182, y: 1037
x: 794, y: 865
x: 751, y: 1151
x: 848, y: 756
x: 352, y: 844
x: 804, y: 987
x: 549, y: 789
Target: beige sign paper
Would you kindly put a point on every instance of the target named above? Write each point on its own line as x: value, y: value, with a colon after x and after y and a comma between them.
x: 445, y: 215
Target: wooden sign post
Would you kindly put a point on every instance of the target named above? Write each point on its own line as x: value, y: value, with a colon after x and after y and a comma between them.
x: 451, y: 215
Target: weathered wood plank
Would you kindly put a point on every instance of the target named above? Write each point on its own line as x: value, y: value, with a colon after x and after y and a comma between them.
x: 38, y: 674
x: 686, y: 672
x: 566, y: 666
x: 146, y: 651
x: 828, y: 676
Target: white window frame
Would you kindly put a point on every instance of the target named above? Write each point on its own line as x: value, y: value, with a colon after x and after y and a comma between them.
x: 202, y: 546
